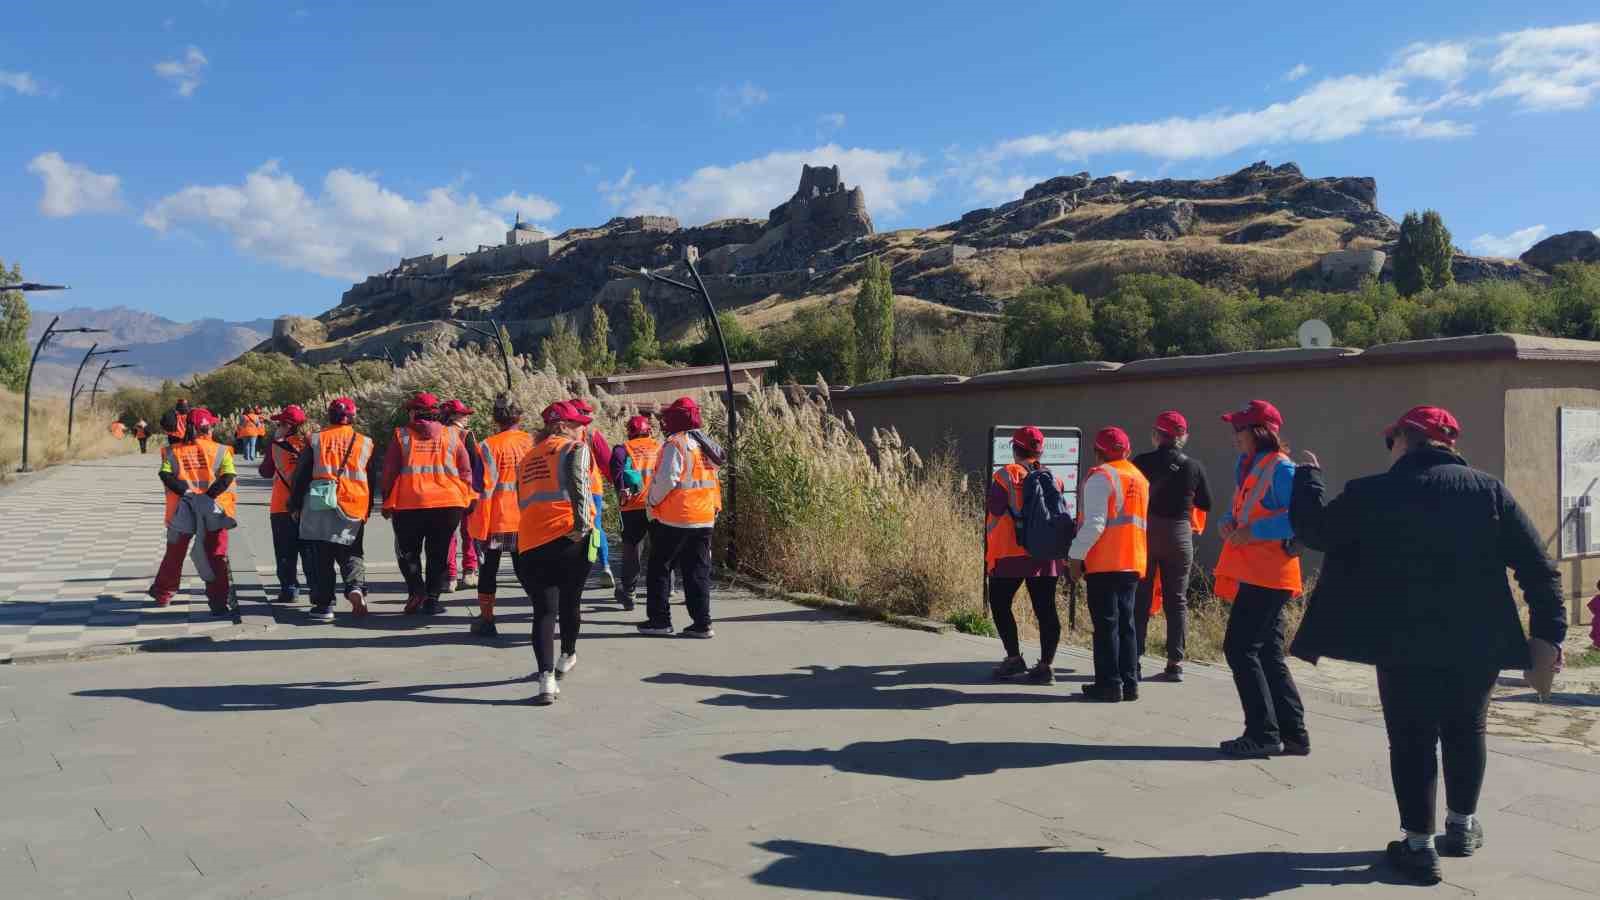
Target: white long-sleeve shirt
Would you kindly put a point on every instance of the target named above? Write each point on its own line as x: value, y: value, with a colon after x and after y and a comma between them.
x: 670, y: 470
x: 1097, y: 491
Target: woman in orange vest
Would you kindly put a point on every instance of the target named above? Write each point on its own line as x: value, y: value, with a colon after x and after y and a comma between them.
x: 1110, y: 553
x: 1259, y: 574
x: 1009, y: 566
x: 493, y: 522
x: 683, y: 501
x: 334, y: 465
x: 632, y: 464
x: 196, y: 464
x: 141, y: 433
x: 557, y: 521
x: 278, y: 464
x: 426, y: 490
x: 453, y: 413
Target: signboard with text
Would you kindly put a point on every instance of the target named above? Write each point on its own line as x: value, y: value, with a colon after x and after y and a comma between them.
x: 1062, y: 448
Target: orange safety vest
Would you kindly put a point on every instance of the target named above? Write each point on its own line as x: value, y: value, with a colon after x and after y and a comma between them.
x: 1122, y: 546
x: 1000, y: 532
x: 118, y: 429
x: 697, y: 498
x: 644, y: 451
x: 597, y: 482
x: 428, y: 476
x: 336, y: 458
x: 1261, y: 563
x: 497, y: 511
x: 196, y: 464
x: 182, y: 429
x: 544, y: 509
x: 284, y: 459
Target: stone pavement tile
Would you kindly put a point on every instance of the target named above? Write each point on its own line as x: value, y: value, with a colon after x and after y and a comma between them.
x: 322, y: 871
x: 1578, y: 813
x: 127, y: 861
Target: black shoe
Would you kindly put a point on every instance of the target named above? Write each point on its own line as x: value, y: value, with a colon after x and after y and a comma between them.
x: 1041, y: 674
x: 1173, y: 673
x: 1247, y: 747
x: 1010, y: 667
x: 1421, y: 866
x: 703, y: 632
x: 433, y: 607
x: 1099, y: 694
x: 627, y: 603
x: 1461, y: 841
x: 484, y: 628
x: 655, y: 629
x: 1296, y: 747
x: 285, y: 597
x: 1130, y: 693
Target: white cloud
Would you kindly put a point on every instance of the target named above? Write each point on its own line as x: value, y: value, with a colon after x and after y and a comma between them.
x: 736, y: 100
x: 533, y: 207
x: 1418, y: 128
x: 1300, y: 71
x: 1124, y: 174
x: 185, y: 72
x: 1508, y: 245
x: 355, y: 227
x: 22, y: 82
x: 1549, y: 68
x: 1447, y: 62
x: 753, y: 187
x: 830, y: 121
x: 990, y: 189
x: 71, y: 189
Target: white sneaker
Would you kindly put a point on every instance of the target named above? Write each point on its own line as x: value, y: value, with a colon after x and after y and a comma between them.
x: 548, y: 689
x: 611, y: 580
x: 566, y: 663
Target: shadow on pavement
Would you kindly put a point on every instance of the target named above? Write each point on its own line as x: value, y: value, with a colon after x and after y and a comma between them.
x: 860, y: 687
x: 297, y: 695
x: 934, y: 760
x: 1056, y: 872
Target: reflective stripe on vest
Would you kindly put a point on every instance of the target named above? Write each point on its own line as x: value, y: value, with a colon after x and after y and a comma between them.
x: 1117, y: 503
x: 447, y: 468
x: 644, y: 452
x: 354, y: 470
x: 695, y: 501
x: 543, y: 493
x: 563, y: 463
x: 1122, y: 546
x: 1260, y: 562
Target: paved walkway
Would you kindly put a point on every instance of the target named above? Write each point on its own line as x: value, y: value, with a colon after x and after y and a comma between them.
x: 796, y: 754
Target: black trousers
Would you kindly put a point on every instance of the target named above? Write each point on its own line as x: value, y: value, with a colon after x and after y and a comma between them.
x: 489, y: 569
x: 1171, y: 543
x: 144, y: 445
x: 1116, y: 648
x: 1427, y: 708
x: 322, y: 556
x: 290, y: 553
x: 1042, y: 594
x: 1254, y: 648
x: 689, y: 551
x: 422, y: 547
x: 553, y: 574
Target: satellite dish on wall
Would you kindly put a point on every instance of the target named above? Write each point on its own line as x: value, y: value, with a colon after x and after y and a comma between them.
x: 1315, y: 333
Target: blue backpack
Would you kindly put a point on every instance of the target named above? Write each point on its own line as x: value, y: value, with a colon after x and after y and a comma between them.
x: 1044, y: 527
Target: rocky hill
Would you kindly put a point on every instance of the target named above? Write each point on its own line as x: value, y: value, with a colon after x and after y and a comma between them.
x: 1262, y: 228
x: 157, y: 347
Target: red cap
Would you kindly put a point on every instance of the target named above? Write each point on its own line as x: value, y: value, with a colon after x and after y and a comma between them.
x: 1433, y: 421
x: 582, y: 405
x: 291, y: 415
x: 563, y: 411
x: 454, y: 407
x: 682, y: 415
x: 1029, y: 439
x: 1112, y: 440
x: 638, y: 426
x: 200, y: 417
x: 341, y: 409
x: 423, y: 401
x: 1256, y: 412
x: 1172, y: 424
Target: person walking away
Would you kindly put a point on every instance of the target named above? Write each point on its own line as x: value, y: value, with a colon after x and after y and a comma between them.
x: 495, y: 519
x: 600, y: 451
x: 1414, y: 583
x: 463, y: 573
x: 555, y: 537
x: 175, y: 422
x: 1010, y: 566
x: 241, y: 437
x: 1109, y: 554
x: 118, y: 430
x: 1180, y: 500
x: 684, y: 499
x: 258, y: 433
x: 632, y: 465
x: 331, y: 499
x: 196, y: 464
x: 426, y: 488
x: 141, y: 433
x: 1260, y: 573
x: 278, y: 464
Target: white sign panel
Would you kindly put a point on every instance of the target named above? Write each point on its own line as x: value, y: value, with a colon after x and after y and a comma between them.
x: 1580, y: 481
x: 1062, y: 446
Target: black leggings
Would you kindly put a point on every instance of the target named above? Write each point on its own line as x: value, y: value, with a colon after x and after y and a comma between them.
x: 489, y: 568
x: 553, y: 574
x: 424, y: 535
x: 1042, y: 593
x: 1426, y: 708
x: 1253, y: 645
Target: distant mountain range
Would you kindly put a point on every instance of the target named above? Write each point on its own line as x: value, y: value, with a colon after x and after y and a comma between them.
x: 157, y: 347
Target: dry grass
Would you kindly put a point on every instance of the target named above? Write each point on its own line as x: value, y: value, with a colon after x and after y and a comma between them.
x: 47, y: 444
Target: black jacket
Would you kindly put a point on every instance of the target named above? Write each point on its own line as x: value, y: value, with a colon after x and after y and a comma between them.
x: 1177, y: 482
x: 1415, y: 571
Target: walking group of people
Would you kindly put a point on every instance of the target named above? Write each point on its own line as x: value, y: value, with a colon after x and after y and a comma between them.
x: 1413, y: 582
x: 538, y: 497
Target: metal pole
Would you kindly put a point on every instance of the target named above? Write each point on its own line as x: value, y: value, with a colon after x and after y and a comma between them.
x: 27, y: 391
x: 733, y: 422
x: 348, y: 374
x: 505, y: 355
x: 94, y: 393
x: 72, y: 395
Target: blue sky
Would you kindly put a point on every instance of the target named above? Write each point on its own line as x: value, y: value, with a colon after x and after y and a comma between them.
x: 246, y: 158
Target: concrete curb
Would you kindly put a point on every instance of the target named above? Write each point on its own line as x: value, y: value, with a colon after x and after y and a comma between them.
x: 854, y: 610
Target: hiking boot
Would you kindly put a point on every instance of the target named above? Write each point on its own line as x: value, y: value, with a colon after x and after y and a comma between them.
x: 432, y: 607
x: 1421, y: 866
x: 1296, y: 746
x: 702, y: 632
x: 1247, y: 747
x: 627, y: 603
x: 358, y: 602
x: 654, y: 628
x: 1011, y: 667
x: 414, y: 605
x: 548, y: 689
x: 1102, y: 694
x: 1041, y: 674
x: 1130, y: 693
x: 320, y: 614
x: 1459, y: 840
x: 484, y: 628
x: 1173, y: 673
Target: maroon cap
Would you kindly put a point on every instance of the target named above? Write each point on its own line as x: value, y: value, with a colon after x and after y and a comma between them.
x: 341, y: 409
x: 1435, y: 422
x: 291, y: 415
x: 1256, y: 412
x: 1172, y: 424
x: 455, y: 408
x: 638, y: 426
x: 562, y: 411
x: 1112, y: 440
x: 424, y: 402
x: 582, y: 405
x: 200, y: 417
x: 1029, y: 439
x: 682, y: 415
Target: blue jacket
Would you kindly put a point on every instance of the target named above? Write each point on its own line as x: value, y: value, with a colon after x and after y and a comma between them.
x: 1278, y: 496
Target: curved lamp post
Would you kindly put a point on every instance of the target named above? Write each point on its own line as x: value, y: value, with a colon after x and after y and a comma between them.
x: 50, y: 331
x: 699, y: 287
x: 94, y: 393
x: 72, y: 396
x: 496, y: 335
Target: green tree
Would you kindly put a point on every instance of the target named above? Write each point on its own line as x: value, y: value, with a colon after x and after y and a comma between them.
x: 642, y: 346
x: 598, y: 357
x: 14, y: 320
x: 1573, y: 307
x: 816, y: 343
x: 873, y: 313
x: 1046, y: 325
x: 562, y: 349
x: 1422, y: 255
x: 1122, y: 323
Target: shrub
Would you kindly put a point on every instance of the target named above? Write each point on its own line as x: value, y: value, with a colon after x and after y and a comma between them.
x: 971, y: 621
x: 1045, y: 325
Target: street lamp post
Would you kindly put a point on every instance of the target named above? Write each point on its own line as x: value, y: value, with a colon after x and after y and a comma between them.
x: 72, y: 396
x: 496, y: 335
x: 94, y: 393
x: 699, y: 287
x: 50, y: 331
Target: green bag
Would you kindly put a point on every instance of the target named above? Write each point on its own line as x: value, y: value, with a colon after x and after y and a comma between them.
x: 323, y: 494
x: 594, y: 543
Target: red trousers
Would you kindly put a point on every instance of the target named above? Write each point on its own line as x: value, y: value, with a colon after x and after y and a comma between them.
x: 171, y: 571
